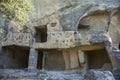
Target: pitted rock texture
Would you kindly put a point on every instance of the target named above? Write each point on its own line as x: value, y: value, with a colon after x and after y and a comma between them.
x: 69, y: 14
x: 71, y: 23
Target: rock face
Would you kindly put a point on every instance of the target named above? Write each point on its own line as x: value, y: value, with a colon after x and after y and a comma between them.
x: 77, y: 23
x: 67, y: 35
x: 98, y: 75
x: 70, y: 13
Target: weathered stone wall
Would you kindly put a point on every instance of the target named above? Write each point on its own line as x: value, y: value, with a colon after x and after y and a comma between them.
x: 22, y: 39
x: 88, y: 17
x: 71, y: 23
x: 70, y: 13
x: 98, y: 21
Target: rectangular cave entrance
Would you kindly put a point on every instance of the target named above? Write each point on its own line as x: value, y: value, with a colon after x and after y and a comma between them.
x: 98, y: 59
x: 41, y: 34
x: 51, y: 59
x: 15, y: 57
x: 54, y: 60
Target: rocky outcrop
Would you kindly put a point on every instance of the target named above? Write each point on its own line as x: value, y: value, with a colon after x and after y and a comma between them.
x: 71, y: 14
x: 98, y: 75
x: 69, y: 35
x: 39, y: 75
x: 116, y: 74
x: 55, y: 75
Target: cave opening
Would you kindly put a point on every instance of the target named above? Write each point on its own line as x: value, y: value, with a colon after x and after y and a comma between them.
x: 41, y: 34
x: 50, y: 59
x: 98, y: 59
x: 15, y: 57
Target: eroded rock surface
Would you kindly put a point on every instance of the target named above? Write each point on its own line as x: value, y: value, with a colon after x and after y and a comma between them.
x: 39, y: 75
x: 66, y: 35
x: 55, y: 75
x: 98, y: 75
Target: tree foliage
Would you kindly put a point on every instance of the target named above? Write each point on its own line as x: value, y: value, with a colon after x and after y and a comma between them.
x: 16, y: 10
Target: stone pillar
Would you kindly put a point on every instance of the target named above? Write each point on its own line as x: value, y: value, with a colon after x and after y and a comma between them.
x: 66, y: 56
x: 74, y: 62
x: 83, y: 60
x: 81, y: 57
x: 43, y: 60
x: 33, y: 56
x: 71, y: 59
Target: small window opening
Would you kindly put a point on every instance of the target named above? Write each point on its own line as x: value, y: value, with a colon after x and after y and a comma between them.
x: 41, y: 34
x: 97, y: 58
